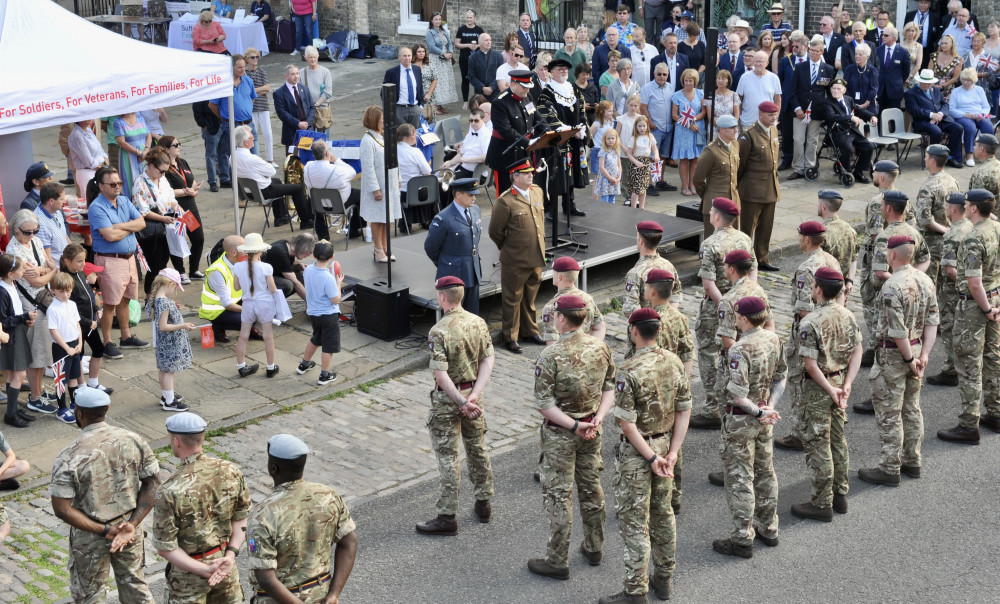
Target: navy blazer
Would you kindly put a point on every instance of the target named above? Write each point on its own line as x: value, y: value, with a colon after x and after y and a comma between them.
x: 847, y: 55
x: 288, y: 113
x: 682, y: 64
x: 830, y: 54
x: 862, y: 87
x: 522, y: 39
x: 921, y: 107
x: 892, y: 76
x: 599, y: 62
x: 392, y: 77
x: 737, y: 71
x: 786, y: 73
x: 483, y: 71
x: 453, y: 246
x: 803, y: 91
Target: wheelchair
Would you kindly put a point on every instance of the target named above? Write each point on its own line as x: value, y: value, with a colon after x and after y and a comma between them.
x: 829, y: 151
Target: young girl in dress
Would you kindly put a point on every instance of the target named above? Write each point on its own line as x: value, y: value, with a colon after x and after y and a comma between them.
x: 641, y: 154
x: 170, y: 337
x: 257, y: 282
x: 604, y: 120
x: 608, y: 183
x: 625, y: 127
x: 15, y: 354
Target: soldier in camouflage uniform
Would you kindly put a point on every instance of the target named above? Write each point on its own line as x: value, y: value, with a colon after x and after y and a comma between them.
x: 811, y: 238
x: 291, y: 534
x: 947, y: 291
x: 462, y: 361
x: 976, y: 331
x: 841, y: 238
x: 103, y: 485
x: 712, y: 270
x: 830, y: 348
x: 907, y: 326
x: 755, y: 380
x: 653, y: 405
x: 884, y: 177
x: 574, y: 391
x: 929, y: 206
x: 565, y: 271
x: 987, y: 173
x: 199, y: 520
x: 648, y: 235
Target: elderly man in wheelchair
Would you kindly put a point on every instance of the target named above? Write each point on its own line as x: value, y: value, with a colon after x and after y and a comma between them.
x: 843, y: 121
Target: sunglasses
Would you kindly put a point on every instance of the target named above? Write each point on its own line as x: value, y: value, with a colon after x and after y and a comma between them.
x: 116, y: 185
x: 474, y: 121
x: 252, y: 58
x: 518, y: 56
x: 175, y: 146
x: 23, y: 232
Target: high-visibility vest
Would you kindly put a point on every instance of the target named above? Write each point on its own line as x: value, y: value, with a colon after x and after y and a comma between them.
x: 211, y: 304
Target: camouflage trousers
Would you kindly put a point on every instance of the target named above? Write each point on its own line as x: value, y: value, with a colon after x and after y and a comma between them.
x: 446, y: 424
x: 645, y: 516
x: 90, y: 560
x: 977, y: 361
x: 824, y: 441
x: 751, y: 484
x: 870, y: 289
x: 793, y: 391
x: 896, y: 398
x: 935, y: 243
x: 708, y: 355
x: 569, y: 458
x: 188, y: 588
x: 311, y: 595
x: 947, y: 303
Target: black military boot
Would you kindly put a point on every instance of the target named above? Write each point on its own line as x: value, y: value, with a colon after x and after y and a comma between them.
x: 865, y: 407
x: 943, y: 379
x: 663, y: 588
x: 768, y: 541
x: 911, y: 471
x: 877, y: 476
x: 593, y: 558
x: 717, y: 478
x: 442, y: 525
x: 705, y: 422
x: 958, y: 434
x: 789, y: 443
x: 840, y: 503
x: 539, y: 566
x: 868, y: 358
x: 484, y: 510
x: 624, y: 598
x: 812, y: 512
x: 727, y: 547
x: 987, y: 421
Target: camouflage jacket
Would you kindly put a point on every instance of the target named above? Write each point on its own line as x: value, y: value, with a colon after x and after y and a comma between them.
x: 803, y: 281
x: 931, y: 199
x: 977, y: 256
x: 908, y: 303
x: 949, y: 252
x: 573, y: 373
x: 829, y: 335
x: 651, y: 387
x: 675, y: 334
x: 712, y: 256
x: 458, y: 343
x: 987, y: 176
x: 548, y: 329
x: 635, y: 281
x: 921, y: 252
x: 841, y: 243
x: 755, y: 362
x: 743, y: 287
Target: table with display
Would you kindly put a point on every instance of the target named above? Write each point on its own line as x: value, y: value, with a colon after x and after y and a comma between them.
x: 239, y: 36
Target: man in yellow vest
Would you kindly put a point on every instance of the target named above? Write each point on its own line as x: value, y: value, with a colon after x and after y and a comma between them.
x: 220, y: 294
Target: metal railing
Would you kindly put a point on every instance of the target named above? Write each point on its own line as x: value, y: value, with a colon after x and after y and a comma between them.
x: 549, y: 23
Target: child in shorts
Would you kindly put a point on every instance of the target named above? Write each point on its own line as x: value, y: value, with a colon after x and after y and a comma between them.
x: 323, y: 307
x: 257, y: 282
x: 67, y: 340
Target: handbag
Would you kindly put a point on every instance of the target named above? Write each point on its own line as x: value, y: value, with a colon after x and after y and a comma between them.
x: 43, y: 299
x: 324, y: 115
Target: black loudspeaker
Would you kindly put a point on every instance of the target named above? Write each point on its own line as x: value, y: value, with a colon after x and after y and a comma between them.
x: 692, y: 211
x: 381, y: 311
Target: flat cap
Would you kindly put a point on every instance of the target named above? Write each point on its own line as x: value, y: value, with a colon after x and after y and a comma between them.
x: 448, y: 281
x: 979, y: 195
x: 658, y: 275
x: 811, y: 227
x: 830, y: 194
x: 643, y: 315
x: 649, y: 225
x: 522, y: 77
x: 751, y: 305
x: 988, y: 139
x: 828, y: 274
x: 565, y: 263
x: 768, y: 107
x: 92, y: 398
x: 957, y: 199
x: 726, y: 205
x: 894, y: 196
x: 570, y: 303
x: 738, y: 256
x: 466, y: 185
x: 727, y: 121
x: 286, y: 446
x: 938, y: 151
x: 886, y: 165
x: 186, y: 423
x: 898, y: 240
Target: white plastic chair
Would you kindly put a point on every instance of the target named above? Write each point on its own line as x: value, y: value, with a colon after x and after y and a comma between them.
x: 893, y: 126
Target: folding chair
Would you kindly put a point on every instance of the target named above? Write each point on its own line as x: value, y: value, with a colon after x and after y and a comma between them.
x: 249, y: 192
x: 420, y: 191
x: 892, y: 126
x: 157, y: 9
x: 452, y: 131
x: 328, y: 202
x: 880, y: 142
x: 484, y: 175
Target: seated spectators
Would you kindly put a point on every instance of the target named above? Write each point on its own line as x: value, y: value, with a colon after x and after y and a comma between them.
x: 326, y: 171
x: 927, y: 107
x: 971, y: 109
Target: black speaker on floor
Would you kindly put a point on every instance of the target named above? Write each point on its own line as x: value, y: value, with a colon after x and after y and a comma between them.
x: 692, y: 211
x: 381, y: 311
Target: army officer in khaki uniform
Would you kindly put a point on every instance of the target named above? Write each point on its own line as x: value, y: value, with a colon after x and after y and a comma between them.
x: 715, y: 174
x: 758, y: 181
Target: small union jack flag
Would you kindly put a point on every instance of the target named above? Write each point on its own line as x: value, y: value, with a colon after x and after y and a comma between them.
x: 179, y: 228
x: 808, y: 116
x: 687, y: 117
x: 142, y: 258
x: 989, y: 62
x: 59, y: 370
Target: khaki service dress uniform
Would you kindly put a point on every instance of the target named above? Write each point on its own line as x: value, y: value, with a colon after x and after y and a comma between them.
x: 715, y: 175
x: 760, y: 154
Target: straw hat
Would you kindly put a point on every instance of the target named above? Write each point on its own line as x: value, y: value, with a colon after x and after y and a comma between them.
x: 253, y: 243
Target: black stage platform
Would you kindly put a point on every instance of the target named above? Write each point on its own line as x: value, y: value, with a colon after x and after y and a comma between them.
x: 610, y: 236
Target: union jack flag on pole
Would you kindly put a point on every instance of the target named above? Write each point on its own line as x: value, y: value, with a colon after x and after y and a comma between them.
x: 142, y: 258
x: 989, y: 62
x: 808, y: 116
x: 687, y: 117
x: 59, y: 370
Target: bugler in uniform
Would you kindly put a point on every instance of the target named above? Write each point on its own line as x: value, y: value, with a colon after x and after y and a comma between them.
x: 715, y: 174
x: 841, y: 238
x: 929, y: 205
x: 758, y: 178
x: 648, y: 235
x: 947, y: 291
x: 199, y: 519
x: 565, y: 271
x: 987, y: 173
x: 462, y: 360
x: 103, y: 485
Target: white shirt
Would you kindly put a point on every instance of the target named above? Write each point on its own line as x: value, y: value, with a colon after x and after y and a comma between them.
x: 261, y: 271
x: 503, y: 71
x: 754, y: 90
x: 475, y: 145
x: 642, y: 58
x: 15, y: 300
x: 407, y: 79
x: 321, y: 174
x: 85, y: 149
x: 218, y: 284
x: 249, y: 165
x: 412, y: 163
x: 64, y: 317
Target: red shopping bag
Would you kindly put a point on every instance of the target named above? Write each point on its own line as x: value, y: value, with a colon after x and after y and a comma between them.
x: 207, y: 337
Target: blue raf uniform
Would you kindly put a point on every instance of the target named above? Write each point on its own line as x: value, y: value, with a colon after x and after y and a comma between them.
x: 452, y: 242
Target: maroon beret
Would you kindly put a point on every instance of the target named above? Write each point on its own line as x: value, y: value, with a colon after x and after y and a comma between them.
x: 565, y: 263
x: 724, y: 204
x: 898, y: 240
x: 643, y: 315
x: 811, y: 227
x: 828, y: 274
x: 768, y: 107
x: 737, y: 256
x: 448, y: 281
x: 751, y: 305
x: 649, y: 225
x: 570, y: 302
x: 658, y: 275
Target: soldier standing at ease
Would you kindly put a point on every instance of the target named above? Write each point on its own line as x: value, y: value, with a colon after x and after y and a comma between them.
x: 812, y: 235
x: 758, y: 180
x: 103, y: 485
x: 755, y: 382
x: 830, y: 348
x: 841, y: 238
x: 712, y: 257
x: 947, y: 288
x: 574, y: 391
x: 976, y: 331
x: 292, y: 533
x: 652, y: 404
x: 647, y: 239
x: 907, y: 326
x: 930, y: 203
x: 200, y: 519
x: 883, y: 177
x: 987, y: 173
x: 462, y: 361
x: 565, y: 271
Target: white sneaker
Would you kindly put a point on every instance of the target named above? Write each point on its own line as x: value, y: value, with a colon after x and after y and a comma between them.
x: 970, y: 162
x: 185, y: 280
x: 295, y: 53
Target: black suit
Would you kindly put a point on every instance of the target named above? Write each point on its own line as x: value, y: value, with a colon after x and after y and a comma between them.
x: 529, y: 45
x: 288, y: 111
x: 806, y: 93
x: 405, y: 112
x: 847, y: 54
x: 830, y: 54
x: 932, y: 23
x: 846, y: 136
x: 874, y: 36
x: 511, y: 121
x: 483, y: 71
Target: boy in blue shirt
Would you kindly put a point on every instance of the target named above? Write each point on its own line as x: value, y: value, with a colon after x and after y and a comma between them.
x: 323, y: 307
